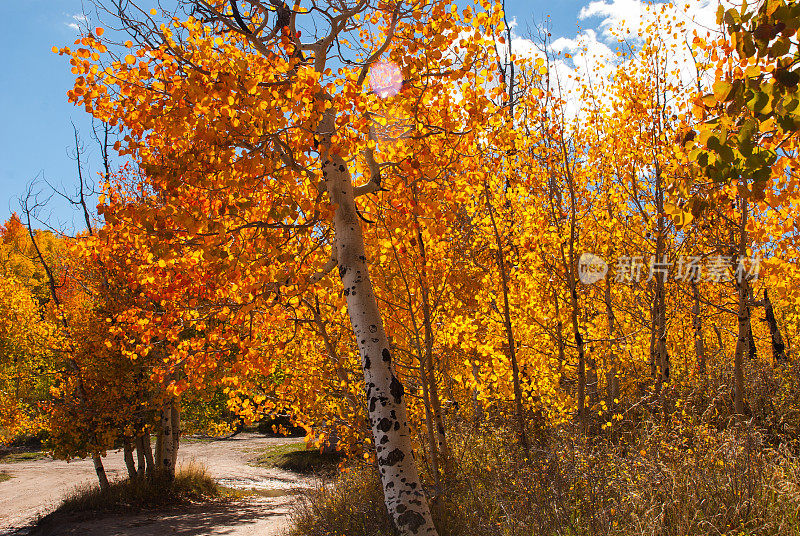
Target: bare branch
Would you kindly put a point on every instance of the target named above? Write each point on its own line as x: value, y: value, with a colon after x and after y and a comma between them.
x: 29, y: 205
x: 377, y: 54
x: 81, y: 193
x: 328, y: 268
x: 374, y: 184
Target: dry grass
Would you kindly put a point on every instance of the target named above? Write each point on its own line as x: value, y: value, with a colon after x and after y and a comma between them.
x: 192, y: 483
x: 689, y: 471
x: 729, y: 486
x: 352, y: 505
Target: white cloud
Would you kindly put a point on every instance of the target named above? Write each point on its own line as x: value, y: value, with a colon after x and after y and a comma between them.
x: 76, y: 21
x: 591, y: 57
x: 632, y: 20
x: 628, y: 15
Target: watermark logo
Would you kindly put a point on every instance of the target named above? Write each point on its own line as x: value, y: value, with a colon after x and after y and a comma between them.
x: 591, y: 268
x: 692, y: 269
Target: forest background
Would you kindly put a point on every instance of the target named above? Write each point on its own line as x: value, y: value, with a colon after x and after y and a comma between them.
x: 573, y: 262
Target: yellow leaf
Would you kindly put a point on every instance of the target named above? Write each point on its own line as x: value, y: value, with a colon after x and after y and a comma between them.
x: 721, y: 90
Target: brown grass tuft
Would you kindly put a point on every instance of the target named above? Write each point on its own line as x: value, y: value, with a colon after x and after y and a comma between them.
x: 192, y: 483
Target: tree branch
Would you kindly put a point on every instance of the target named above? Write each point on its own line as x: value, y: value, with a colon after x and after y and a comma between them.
x: 328, y: 268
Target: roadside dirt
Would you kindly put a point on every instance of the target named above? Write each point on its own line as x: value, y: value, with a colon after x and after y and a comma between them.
x: 37, y: 487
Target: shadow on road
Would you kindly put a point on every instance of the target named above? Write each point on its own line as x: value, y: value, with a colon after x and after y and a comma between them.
x: 252, y: 516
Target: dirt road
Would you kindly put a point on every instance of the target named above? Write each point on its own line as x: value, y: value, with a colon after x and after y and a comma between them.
x: 36, y: 487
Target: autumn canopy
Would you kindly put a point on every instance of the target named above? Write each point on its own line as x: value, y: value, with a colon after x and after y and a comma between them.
x: 381, y: 219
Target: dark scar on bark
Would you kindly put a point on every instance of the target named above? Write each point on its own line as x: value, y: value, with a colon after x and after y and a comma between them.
x: 411, y: 519
x: 386, y: 355
x: 394, y: 457
x: 374, y: 400
x: 396, y: 389
x: 384, y: 425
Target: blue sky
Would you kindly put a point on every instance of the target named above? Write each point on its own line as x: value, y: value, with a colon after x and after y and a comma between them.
x: 36, y: 137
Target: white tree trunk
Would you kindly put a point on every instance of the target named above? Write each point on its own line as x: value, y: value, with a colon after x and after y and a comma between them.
x: 402, y: 488
x: 166, y: 451
x: 101, y: 471
x: 140, y: 457
x: 127, y: 453
x: 150, y: 463
x: 176, y: 430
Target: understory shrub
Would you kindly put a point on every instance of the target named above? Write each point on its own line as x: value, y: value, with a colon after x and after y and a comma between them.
x: 673, y: 464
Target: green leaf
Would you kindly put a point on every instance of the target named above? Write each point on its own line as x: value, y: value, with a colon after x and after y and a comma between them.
x: 698, y: 206
x: 788, y: 123
x: 732, y: 17
x: 758, y: 189
x: 721, y: 90
x: 726, y: 154
x: 748, y: 129
x: 780, y: 48
x: 752, y: 71
x: 744, y: 44
x: 745, y: 139
x: 743, y: 190
x: 759, y: 103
